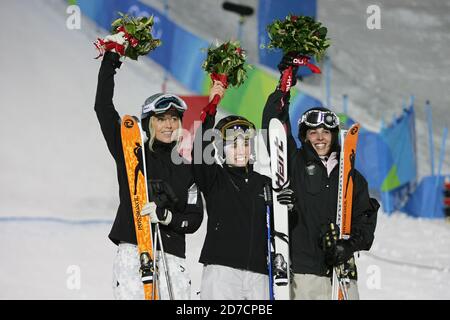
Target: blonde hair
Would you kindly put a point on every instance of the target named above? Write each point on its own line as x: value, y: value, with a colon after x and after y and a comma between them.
x: 152, y: 138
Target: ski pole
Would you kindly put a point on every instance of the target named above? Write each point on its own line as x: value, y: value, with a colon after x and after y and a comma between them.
x: 163, y: 255
x: 155, y: 267
x: 268, y: 200
x: 341, y: 282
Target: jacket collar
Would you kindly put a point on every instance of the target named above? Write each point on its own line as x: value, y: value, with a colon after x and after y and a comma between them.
x: 162, y: 147
x: 311, y: 155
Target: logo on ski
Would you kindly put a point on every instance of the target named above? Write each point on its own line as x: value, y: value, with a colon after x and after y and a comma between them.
x: 137, y: 215
x: 352, y: 157
x: 354, y: 130
x: 139, y: 165
x: 129, y: 123
x: 280, y: 174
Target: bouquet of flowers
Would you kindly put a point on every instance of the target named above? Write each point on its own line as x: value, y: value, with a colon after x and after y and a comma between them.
x: 226, y: 63
x: 130, y: 37
x: 300, y: 34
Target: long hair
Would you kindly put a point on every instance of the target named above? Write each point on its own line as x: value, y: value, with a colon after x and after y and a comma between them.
x: 152, y: 138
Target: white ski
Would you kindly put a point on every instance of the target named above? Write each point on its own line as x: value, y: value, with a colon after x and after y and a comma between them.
x: 279, y: 171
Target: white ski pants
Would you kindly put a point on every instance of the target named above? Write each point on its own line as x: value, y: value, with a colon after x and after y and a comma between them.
x: 127, y: 284
x: 312, y: 287
x: 225, y: 283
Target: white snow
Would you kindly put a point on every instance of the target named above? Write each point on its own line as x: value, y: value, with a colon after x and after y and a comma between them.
x: 410, y: 259
x: 57, y: 165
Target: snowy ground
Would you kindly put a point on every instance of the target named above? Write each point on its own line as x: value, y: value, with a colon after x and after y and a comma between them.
x: 57, y: 165
x: 410, y: 259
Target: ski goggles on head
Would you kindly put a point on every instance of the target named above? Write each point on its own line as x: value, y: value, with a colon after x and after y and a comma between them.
x: 238, y: 128
x: 315, y: 118
x: 164, y: 103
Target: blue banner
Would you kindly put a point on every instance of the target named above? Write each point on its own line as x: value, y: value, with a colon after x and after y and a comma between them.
x: 181, y: 51
x: 427, y: 201
x: 400, y: 137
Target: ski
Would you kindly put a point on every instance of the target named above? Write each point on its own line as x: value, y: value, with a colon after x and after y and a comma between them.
x: 349, y: 140
x: 279, y: 172
x: 269, y: 203
x: 133, y: 152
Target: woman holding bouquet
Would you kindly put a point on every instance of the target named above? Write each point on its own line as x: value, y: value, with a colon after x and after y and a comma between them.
x: 313, y: 172
x: 178, y: 208
x: 234, y: 253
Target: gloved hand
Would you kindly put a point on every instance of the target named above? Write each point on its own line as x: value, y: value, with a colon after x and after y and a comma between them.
x: 289, y: 66
x: 288, y: 61
x: 286, y: 197
x: 337, y: 251
x: 162, y: 194
x: 157, y: 215
x: 114, y: 58
x: 340, y: 253
x: 288, y: 69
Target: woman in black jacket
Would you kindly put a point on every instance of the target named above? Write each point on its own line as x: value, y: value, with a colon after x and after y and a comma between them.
x: 313, y: 172
x: 234, y: 253
x: 161, y: 119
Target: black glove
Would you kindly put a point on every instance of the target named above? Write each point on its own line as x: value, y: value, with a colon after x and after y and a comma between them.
x: 286, y: 62
x: 113, y: 57
x: 162, y: 194
x: 337, y: 251
x: 286, y: 197
x: 340, y: 253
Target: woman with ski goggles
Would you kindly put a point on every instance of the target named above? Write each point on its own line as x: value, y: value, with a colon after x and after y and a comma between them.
x: 314, y: 178
x: 162, y: 103
x: 316, y: 117
x: 234, y: 254
x: 176, y: 204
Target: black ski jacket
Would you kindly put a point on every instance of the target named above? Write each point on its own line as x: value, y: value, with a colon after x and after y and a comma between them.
x: 188, y: 215
x: 316, y: 195
x: 236, y: 230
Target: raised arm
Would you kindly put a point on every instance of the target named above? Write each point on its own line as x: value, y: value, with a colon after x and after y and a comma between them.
x: 277, y: 105
x: 205, y: 169
x: 107, y: 115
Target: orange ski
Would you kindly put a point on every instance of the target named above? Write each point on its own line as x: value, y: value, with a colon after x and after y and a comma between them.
x: 135, y: 165
x: 349, y: 140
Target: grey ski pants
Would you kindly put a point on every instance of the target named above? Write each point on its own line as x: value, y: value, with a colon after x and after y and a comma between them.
x: 312, y: 287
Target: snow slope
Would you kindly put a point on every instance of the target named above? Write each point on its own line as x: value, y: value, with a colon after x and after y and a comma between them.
x: 57, y: 165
